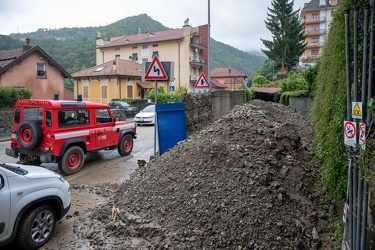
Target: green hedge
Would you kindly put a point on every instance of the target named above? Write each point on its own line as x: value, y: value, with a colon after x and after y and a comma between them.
x: 8, y: 96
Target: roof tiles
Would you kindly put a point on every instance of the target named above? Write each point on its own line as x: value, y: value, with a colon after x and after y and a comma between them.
x: 226, y: 72
x: 149, y: 37
x: 122, y: 67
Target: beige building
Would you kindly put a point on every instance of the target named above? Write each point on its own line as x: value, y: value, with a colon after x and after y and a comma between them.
x: 317, y: 16
x: 186, y: 47
x: 32, y: 68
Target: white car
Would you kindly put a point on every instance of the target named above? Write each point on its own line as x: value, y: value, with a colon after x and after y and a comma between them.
x: 32, y: 199
x: 145, y: 116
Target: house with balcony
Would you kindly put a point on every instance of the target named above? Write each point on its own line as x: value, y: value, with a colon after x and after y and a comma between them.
x: 32, y: 68
x: 186, y: 47
x: 317, y: 16
x: 228, y: 77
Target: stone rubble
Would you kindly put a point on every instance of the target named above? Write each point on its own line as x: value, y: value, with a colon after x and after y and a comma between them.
x: 247, y: 181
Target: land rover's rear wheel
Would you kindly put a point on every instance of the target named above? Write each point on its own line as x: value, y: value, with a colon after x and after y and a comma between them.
x: 37, y: 227
x: 29, y: 134
x: 125, y: 147
x: 72, y: 160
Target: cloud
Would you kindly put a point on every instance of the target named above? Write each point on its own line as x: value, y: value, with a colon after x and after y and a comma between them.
x: 239, y: 23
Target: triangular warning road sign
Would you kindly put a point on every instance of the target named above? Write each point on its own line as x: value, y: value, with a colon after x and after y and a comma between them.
x: 202, y: 82
x: 155, y: 71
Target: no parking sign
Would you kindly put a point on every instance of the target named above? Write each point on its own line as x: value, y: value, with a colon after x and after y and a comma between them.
x: 350, y: 132
x: 362, y: 135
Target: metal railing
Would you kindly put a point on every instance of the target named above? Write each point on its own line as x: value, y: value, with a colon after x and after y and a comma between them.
x: 315, y: 32
x: 314, y: 20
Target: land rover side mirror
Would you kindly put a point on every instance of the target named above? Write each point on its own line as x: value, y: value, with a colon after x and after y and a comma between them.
x: 1, y: 182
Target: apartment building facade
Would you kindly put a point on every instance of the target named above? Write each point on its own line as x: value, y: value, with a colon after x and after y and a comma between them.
x: 186, y: 47
x: 317, y: 16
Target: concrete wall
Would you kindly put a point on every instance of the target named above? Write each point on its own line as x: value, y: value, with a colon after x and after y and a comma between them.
x: 301, y: 104
x: 204, y: 108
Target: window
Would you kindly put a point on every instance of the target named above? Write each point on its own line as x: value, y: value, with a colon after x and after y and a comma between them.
x: 17, y: 116
x: 155, y: 45
x: 144, y: 50
x: 40, y: 70
x: 155, y: 53
x: 117, y: 49
x: 48, y: 118
x: 73, y: 117
x: 104, y: 92
x: 135, y: 57
x: 117, y: 56
x: 315, y: 16
x: 314, y: 27
x: 134, y: 47
x: 85, y: 91
x: 34, y: 114
x: 314, y: 40
x: 315, y: 52
x: 99, y: 69
x: 129, y: 91
x: 102, y: 116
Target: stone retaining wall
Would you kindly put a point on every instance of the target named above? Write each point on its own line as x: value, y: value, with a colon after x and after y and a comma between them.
x: 6, y: 117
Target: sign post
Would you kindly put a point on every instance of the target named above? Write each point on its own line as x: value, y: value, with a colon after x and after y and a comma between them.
x: 155, y: 73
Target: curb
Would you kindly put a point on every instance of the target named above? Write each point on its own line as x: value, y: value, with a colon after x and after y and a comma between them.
x: 4, y: 139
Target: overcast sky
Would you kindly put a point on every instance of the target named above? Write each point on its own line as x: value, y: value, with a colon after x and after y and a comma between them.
x: 239, y: 23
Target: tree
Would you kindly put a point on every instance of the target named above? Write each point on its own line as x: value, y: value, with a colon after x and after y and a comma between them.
x: 288, y: 38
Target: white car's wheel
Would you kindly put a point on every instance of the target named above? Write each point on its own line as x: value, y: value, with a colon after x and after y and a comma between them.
x: 36, y: 227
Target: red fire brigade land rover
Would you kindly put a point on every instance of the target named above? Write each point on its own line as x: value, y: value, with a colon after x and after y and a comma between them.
x: 62, y: 131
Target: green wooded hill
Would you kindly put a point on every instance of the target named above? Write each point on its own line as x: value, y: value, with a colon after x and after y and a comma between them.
x: 74, y: 48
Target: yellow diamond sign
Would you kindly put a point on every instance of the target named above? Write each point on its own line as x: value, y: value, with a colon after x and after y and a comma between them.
x: 357, y: 110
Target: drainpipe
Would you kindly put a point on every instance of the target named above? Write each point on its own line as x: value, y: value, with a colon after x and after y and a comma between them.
x: 179, y: 62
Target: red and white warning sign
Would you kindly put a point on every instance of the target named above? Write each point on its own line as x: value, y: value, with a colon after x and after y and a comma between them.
x: 202, y: 84
x: 362, y: 135
x: 155, y: 71
x: 350, y: 132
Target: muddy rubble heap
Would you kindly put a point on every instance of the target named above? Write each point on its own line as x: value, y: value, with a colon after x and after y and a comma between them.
x: 245, y: 182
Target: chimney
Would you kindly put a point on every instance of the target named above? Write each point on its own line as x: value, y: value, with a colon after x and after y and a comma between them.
x: 230, y: 71
x: 27, y: 46
x: 114, y: 65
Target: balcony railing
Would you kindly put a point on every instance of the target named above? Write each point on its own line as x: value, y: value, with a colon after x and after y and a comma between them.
x: 315, y: 32
x: 199, y: 61
x: 314, y: 45
x: 308, y: 58
x: 194, y: 78
x: 314, y: 20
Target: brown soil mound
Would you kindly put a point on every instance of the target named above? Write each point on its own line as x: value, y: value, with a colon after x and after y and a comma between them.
x: 244, y: 182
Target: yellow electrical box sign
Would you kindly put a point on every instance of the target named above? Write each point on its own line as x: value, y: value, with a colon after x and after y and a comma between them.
x: 357, y: 110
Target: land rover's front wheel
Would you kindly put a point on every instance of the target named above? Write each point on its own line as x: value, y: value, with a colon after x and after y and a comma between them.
x: 72, y: 160
x: 125, y: 147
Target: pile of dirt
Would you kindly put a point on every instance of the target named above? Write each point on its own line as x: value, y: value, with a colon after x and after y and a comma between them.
x: 245, y: 182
